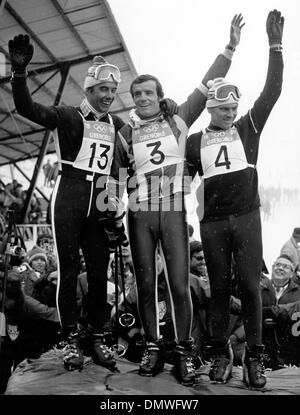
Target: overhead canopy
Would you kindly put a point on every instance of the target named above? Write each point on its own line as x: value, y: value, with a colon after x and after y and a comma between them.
x: 66, y: 36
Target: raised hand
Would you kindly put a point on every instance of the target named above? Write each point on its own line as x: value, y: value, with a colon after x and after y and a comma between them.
x: 235, y: 30
x: 20, y: 51
x: 274, y: 26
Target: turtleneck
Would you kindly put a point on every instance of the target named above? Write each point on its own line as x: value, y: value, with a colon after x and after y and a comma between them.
x: 86, y: 108
x: 137, y: 122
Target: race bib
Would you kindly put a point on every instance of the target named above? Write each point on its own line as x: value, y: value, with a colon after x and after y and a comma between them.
x: 222, y: 152
x: 154, y: 146
x: 95, y: 154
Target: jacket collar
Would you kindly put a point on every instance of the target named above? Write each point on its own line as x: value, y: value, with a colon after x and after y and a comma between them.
x: 86, y: 109
x: 136, y: 122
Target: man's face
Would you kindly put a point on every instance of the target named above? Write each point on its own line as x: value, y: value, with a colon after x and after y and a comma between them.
x: 223, y: 116
x: 101, y: 96
x: 47, y: 244
x: 197, y: 264
x: 146, y: 99
x: 282, y: 272
x: 38, y: 265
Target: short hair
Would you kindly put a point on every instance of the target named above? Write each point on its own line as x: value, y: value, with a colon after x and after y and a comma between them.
x: 144, y: 78
x: 195, y: 246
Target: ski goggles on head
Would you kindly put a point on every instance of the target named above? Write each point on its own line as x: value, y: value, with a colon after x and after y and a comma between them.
x: 223, y: 92
x: 105, y: 71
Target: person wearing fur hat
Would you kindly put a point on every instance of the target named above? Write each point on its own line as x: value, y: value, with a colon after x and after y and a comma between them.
x: 225, y: 156
x: 85, y: 144
x: 150, y: 150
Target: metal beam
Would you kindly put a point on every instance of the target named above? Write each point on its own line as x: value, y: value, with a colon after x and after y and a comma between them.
x: 43, y: 150
x: 37, y: 40
x: 11, y: 137
x: 7, y: 158
x: 33, y: 79
x: 27, y: 29
x: 70, y: 26
x: 20, y: 118
x: 14, y: 149
x: 26, y: 177
x: 5, y: 129
x: 70, y: 63
x: 21, y: 159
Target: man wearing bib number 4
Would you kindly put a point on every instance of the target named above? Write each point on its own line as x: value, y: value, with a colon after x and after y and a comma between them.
x: 225, y: 156
x: 151, y: 150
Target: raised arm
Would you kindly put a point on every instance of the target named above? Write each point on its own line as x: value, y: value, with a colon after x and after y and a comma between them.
x: 222, y: 63
x: 21, y: 52
x: 272, y: 89
x: 191, y: 109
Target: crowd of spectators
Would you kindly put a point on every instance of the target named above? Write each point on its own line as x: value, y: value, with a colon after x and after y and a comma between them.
x: 13, y: 196
x: 33, y: 324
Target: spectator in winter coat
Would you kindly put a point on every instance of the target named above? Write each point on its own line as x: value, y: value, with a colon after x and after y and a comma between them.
x: 292, y: 247
x: 31, y: 327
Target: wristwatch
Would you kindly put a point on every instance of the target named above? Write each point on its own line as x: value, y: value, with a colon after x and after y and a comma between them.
x: 230, y: 48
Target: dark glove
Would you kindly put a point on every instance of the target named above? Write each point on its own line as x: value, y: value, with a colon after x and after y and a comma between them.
x: 270, y: 312
x: 20, y: 51
x: 116, y: 235
x: 274, y: 25
x: 168, y: 107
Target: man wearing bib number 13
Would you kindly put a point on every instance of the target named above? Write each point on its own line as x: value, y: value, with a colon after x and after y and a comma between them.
x: 151, y: 151
x: 225, y: 156
x: 84, y: 139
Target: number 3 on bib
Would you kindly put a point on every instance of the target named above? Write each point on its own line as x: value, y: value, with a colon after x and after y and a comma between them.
x: 222, y: 158
x: 155, y: 152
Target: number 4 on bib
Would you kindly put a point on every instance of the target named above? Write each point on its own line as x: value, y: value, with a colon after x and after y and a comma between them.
x: 222, y: 158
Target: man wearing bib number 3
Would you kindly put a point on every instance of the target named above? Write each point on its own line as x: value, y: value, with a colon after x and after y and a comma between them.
x: 225, y: 156
x: 151, y: 150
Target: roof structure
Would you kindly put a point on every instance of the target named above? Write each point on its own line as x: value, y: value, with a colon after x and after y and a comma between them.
x: 66, y: 35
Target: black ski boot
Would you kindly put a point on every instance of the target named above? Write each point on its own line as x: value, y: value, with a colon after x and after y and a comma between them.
x: 72, y: 354
x: 253, y: 366
x: 221, y: 356
x: 184, y: 369
x: 152, y: 360
x: 101, y: 353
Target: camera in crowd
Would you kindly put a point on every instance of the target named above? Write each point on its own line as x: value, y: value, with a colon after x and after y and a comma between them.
x: 16, y: 253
